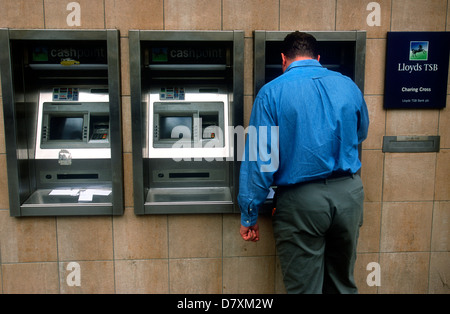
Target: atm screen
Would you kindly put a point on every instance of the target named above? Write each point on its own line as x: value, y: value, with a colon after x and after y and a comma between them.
x: 168, y: 123
x: 66, y: 128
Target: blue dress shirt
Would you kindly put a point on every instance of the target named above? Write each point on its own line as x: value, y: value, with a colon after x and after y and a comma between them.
x: 304, y: 125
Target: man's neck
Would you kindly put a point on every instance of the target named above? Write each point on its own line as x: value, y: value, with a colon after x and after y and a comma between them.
x: 286, y: 62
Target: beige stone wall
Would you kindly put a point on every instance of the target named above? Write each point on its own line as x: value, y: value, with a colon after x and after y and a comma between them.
x: 407, y: 206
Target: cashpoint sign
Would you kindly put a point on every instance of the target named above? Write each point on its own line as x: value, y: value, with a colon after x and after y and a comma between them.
x: 67, y: 53
x: 188, y: 54
x: 416, y: 70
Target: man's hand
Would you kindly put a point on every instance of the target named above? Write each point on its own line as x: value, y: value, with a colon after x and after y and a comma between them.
x: 250, y: 233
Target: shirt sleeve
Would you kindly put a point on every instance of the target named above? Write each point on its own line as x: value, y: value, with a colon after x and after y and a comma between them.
x: 363, y: 121
x: 259, y: 163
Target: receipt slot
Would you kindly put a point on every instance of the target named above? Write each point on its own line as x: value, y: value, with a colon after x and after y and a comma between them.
x: 61, y: 102
x: 186, y: 99
x: 340, y: 51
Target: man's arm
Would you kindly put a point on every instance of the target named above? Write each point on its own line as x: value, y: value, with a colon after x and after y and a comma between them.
x: 259, y: 164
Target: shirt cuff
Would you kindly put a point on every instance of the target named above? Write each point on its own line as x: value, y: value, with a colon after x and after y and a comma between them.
x: 248, y: 220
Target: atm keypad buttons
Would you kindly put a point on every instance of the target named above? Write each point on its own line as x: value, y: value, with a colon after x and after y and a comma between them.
x: 100, y: 136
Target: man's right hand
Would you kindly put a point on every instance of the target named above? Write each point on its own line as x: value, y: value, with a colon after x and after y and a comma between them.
x: 250, y: 233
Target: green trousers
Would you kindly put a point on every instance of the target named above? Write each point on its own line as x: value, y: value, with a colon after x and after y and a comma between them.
x: 316, y: 228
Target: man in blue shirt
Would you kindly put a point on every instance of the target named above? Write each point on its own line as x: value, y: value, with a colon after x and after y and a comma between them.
x: 307, y: 126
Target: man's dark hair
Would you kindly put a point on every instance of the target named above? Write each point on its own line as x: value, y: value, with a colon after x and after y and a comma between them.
x: 298, y: 44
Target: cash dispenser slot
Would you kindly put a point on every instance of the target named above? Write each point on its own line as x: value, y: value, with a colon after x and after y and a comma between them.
x: 187, y: 67
x: 76, y: 176
x: 181, y: 175
x: 185, y: 101
x: 62, y: 104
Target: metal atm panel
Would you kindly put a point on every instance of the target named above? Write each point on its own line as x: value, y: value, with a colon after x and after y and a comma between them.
x: 61, y: 102
x: 76, y: 119
x: 340, y: 51
x: 199, y: 113
x: 186, y: 95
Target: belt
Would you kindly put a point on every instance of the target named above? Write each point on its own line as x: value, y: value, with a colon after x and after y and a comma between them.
x: 332, y: 176
x: 340, y: 174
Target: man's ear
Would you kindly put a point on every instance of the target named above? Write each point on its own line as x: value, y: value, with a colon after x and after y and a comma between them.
x: 283, y: 62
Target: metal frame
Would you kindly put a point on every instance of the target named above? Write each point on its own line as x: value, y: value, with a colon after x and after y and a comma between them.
x: 136, y: 37
x: 411, y: 144
x: 17, y: 158
x: 261, y: 37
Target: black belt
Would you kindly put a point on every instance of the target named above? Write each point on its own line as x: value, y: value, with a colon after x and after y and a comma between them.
x: 339, y: 174
x: 333, y: 175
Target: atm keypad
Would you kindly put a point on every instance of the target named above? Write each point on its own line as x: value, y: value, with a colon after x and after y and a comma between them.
x: 100, y: 133
x: 99, y: 136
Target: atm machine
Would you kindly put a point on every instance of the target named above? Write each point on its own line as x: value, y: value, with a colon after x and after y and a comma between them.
x: 340, y: 51
x: 61, y: 101
x: 186, y: 98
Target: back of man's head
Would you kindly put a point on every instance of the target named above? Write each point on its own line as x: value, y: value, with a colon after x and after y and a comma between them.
x: 298, y: 44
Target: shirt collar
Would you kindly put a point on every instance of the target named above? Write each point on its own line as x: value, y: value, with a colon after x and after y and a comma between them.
x: 304, y: 63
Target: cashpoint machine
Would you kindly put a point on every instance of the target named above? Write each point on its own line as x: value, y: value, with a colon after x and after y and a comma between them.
x: 186, y: 98
x: 61, y: 101
x: 340, y: 51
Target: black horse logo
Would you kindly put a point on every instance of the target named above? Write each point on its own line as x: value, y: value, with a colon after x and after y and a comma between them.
x: 417, y: 50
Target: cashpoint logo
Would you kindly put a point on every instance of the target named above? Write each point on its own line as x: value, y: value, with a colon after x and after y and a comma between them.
x: 196, y: 53
x: 159, y: 55
x: 204, y: 54
x: 78, y: 53
x: 58, y: 54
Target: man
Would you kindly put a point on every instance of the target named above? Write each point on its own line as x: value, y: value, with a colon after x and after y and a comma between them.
x: 312, y: 121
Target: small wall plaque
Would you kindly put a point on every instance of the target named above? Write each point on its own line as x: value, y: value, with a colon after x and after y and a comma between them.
x: 411, y: 144
x: 416, y: 70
